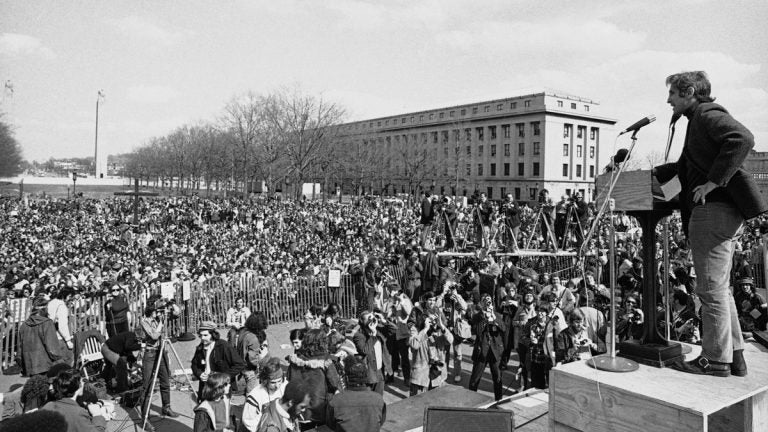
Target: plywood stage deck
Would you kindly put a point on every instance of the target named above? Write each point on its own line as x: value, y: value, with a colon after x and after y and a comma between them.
x: 660, y: 399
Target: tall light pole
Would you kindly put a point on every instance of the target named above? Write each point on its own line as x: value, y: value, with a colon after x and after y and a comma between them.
x: 99, y: 98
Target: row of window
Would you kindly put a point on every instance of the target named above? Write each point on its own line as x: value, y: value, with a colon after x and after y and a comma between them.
x: 566, y: 151
x: 573, y: 105
x: 521, y: 170
x: 520, y: 150
x: 580, y: 131
x: 441, y: 115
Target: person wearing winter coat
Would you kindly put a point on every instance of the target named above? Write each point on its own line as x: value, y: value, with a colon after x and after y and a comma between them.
x: 38, y: 343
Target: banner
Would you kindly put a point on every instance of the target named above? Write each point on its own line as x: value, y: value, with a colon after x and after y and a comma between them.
x: 167, y: 290
x: 334, y: 278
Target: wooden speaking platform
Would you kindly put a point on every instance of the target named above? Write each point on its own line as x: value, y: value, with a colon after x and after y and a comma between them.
x: 582, y: 398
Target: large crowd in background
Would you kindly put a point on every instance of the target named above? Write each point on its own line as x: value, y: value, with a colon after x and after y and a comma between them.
x: 413, y: 330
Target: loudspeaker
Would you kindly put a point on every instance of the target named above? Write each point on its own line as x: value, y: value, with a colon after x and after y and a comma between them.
x: 452, y: 419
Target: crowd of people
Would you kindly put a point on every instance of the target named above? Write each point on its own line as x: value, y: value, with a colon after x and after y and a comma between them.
x: 413, y: 329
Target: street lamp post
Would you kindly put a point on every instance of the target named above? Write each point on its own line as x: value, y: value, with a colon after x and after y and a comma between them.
x: 99, y: 98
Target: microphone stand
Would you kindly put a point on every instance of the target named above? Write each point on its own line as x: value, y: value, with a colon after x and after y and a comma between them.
x: 609, y: 362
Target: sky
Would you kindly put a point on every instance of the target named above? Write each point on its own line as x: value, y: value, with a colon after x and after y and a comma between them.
x: 164, y: 64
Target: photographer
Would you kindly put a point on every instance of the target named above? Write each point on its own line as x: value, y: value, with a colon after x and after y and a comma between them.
x: 455, y: 310
x: 153, y: 324
x: 630, y: 321
x: 489, y: 345
x: 483, y: 216
x: 371, y: 343
x: 429, y: 342
x: 574, y: 343
x: 510, y: 214
x: 116, y: 311
x: 450, y: 220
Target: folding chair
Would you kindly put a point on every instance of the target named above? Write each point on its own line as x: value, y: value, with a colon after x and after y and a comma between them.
x: 88, y: 357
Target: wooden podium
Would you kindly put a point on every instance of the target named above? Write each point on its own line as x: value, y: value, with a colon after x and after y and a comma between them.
x: 636, y: 194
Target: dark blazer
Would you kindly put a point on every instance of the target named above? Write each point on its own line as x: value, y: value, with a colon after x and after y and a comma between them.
x: 224, y: 359
x: 715, y: 148
x: 364, y: 343
x: 489, y: 337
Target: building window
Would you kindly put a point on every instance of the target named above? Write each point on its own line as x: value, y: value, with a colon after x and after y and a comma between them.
x: 463, y: 111
x: 517, y: 193
x: 442, y: 115
x: 591, y: 171
x: 565, y: 170
x: 445, y: 136
x: 480, y: 151
x: 532, y: 193
x: 536, y: 148
x: 452, y: 114
x: 402, y: 121
x: 586, y: 107
x: 469, y: 170
x: 487, y: 108
x: 506, y: 169
x: 479, y: 131
x: 578, y: 171
x: 434, y: 137
x: 474, y: 110
x: 527, y: 103
x: 580, y: 132
x: 499, y: 107
x: 593, y: 133
x: 479, y: 169
x: 503, y: 191
x: 535, y: 169
x: 505, y: 130
x: 493, y: 169
x: 492, y: 131
x: 493, y: 150
x: 386, y: 122
x: 469, y: 150
x: 506, y: 150
x: 445, y: 151
x: 559, y: 104
x: 521, y: 169
x: 578, y: 151
x: 513, y: 105
x: 536, y: 128
x: 468, y: 134
x: 413, y: 118
x: 591, y: 152
x: 573, y: 105
x: 521, y: 149
x: 520, y: 129
x: 423, y: 138
x: 421, y: 118
x: 378, y: 123
x: 567, y: 130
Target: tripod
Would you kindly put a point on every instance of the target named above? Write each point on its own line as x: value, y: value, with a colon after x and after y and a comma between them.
x: 572, y: 224
x: 484, y: 242
x: 506, y: 234
x: 550, y: 233
x: 159, y: 358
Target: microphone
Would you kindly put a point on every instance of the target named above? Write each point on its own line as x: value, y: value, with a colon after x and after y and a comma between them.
x: 639, y: 124
x: 621, y: 156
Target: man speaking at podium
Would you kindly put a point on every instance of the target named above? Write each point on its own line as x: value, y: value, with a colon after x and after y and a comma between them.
x: 717, y: 195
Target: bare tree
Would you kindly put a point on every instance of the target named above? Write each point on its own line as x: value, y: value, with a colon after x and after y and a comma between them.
x: 244, y: 118
x: 306, y: 125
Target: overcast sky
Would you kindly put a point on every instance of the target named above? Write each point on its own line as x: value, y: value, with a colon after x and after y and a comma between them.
x: 163, y: 64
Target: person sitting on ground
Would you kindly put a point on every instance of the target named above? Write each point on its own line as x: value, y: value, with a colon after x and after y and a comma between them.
x: 68, y: 385
x: 271, y: 386
x: 358, y: 408
x: 212, y: 413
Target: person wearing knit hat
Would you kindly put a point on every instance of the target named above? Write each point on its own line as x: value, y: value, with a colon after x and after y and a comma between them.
x: 358, y: 408
x: 271, y: 385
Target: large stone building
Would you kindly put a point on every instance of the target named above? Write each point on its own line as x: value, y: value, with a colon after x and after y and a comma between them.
x: 757, y: 164
x: 515, y: 145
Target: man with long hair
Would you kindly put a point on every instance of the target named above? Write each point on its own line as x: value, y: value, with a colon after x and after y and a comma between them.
x: 253, y: 347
